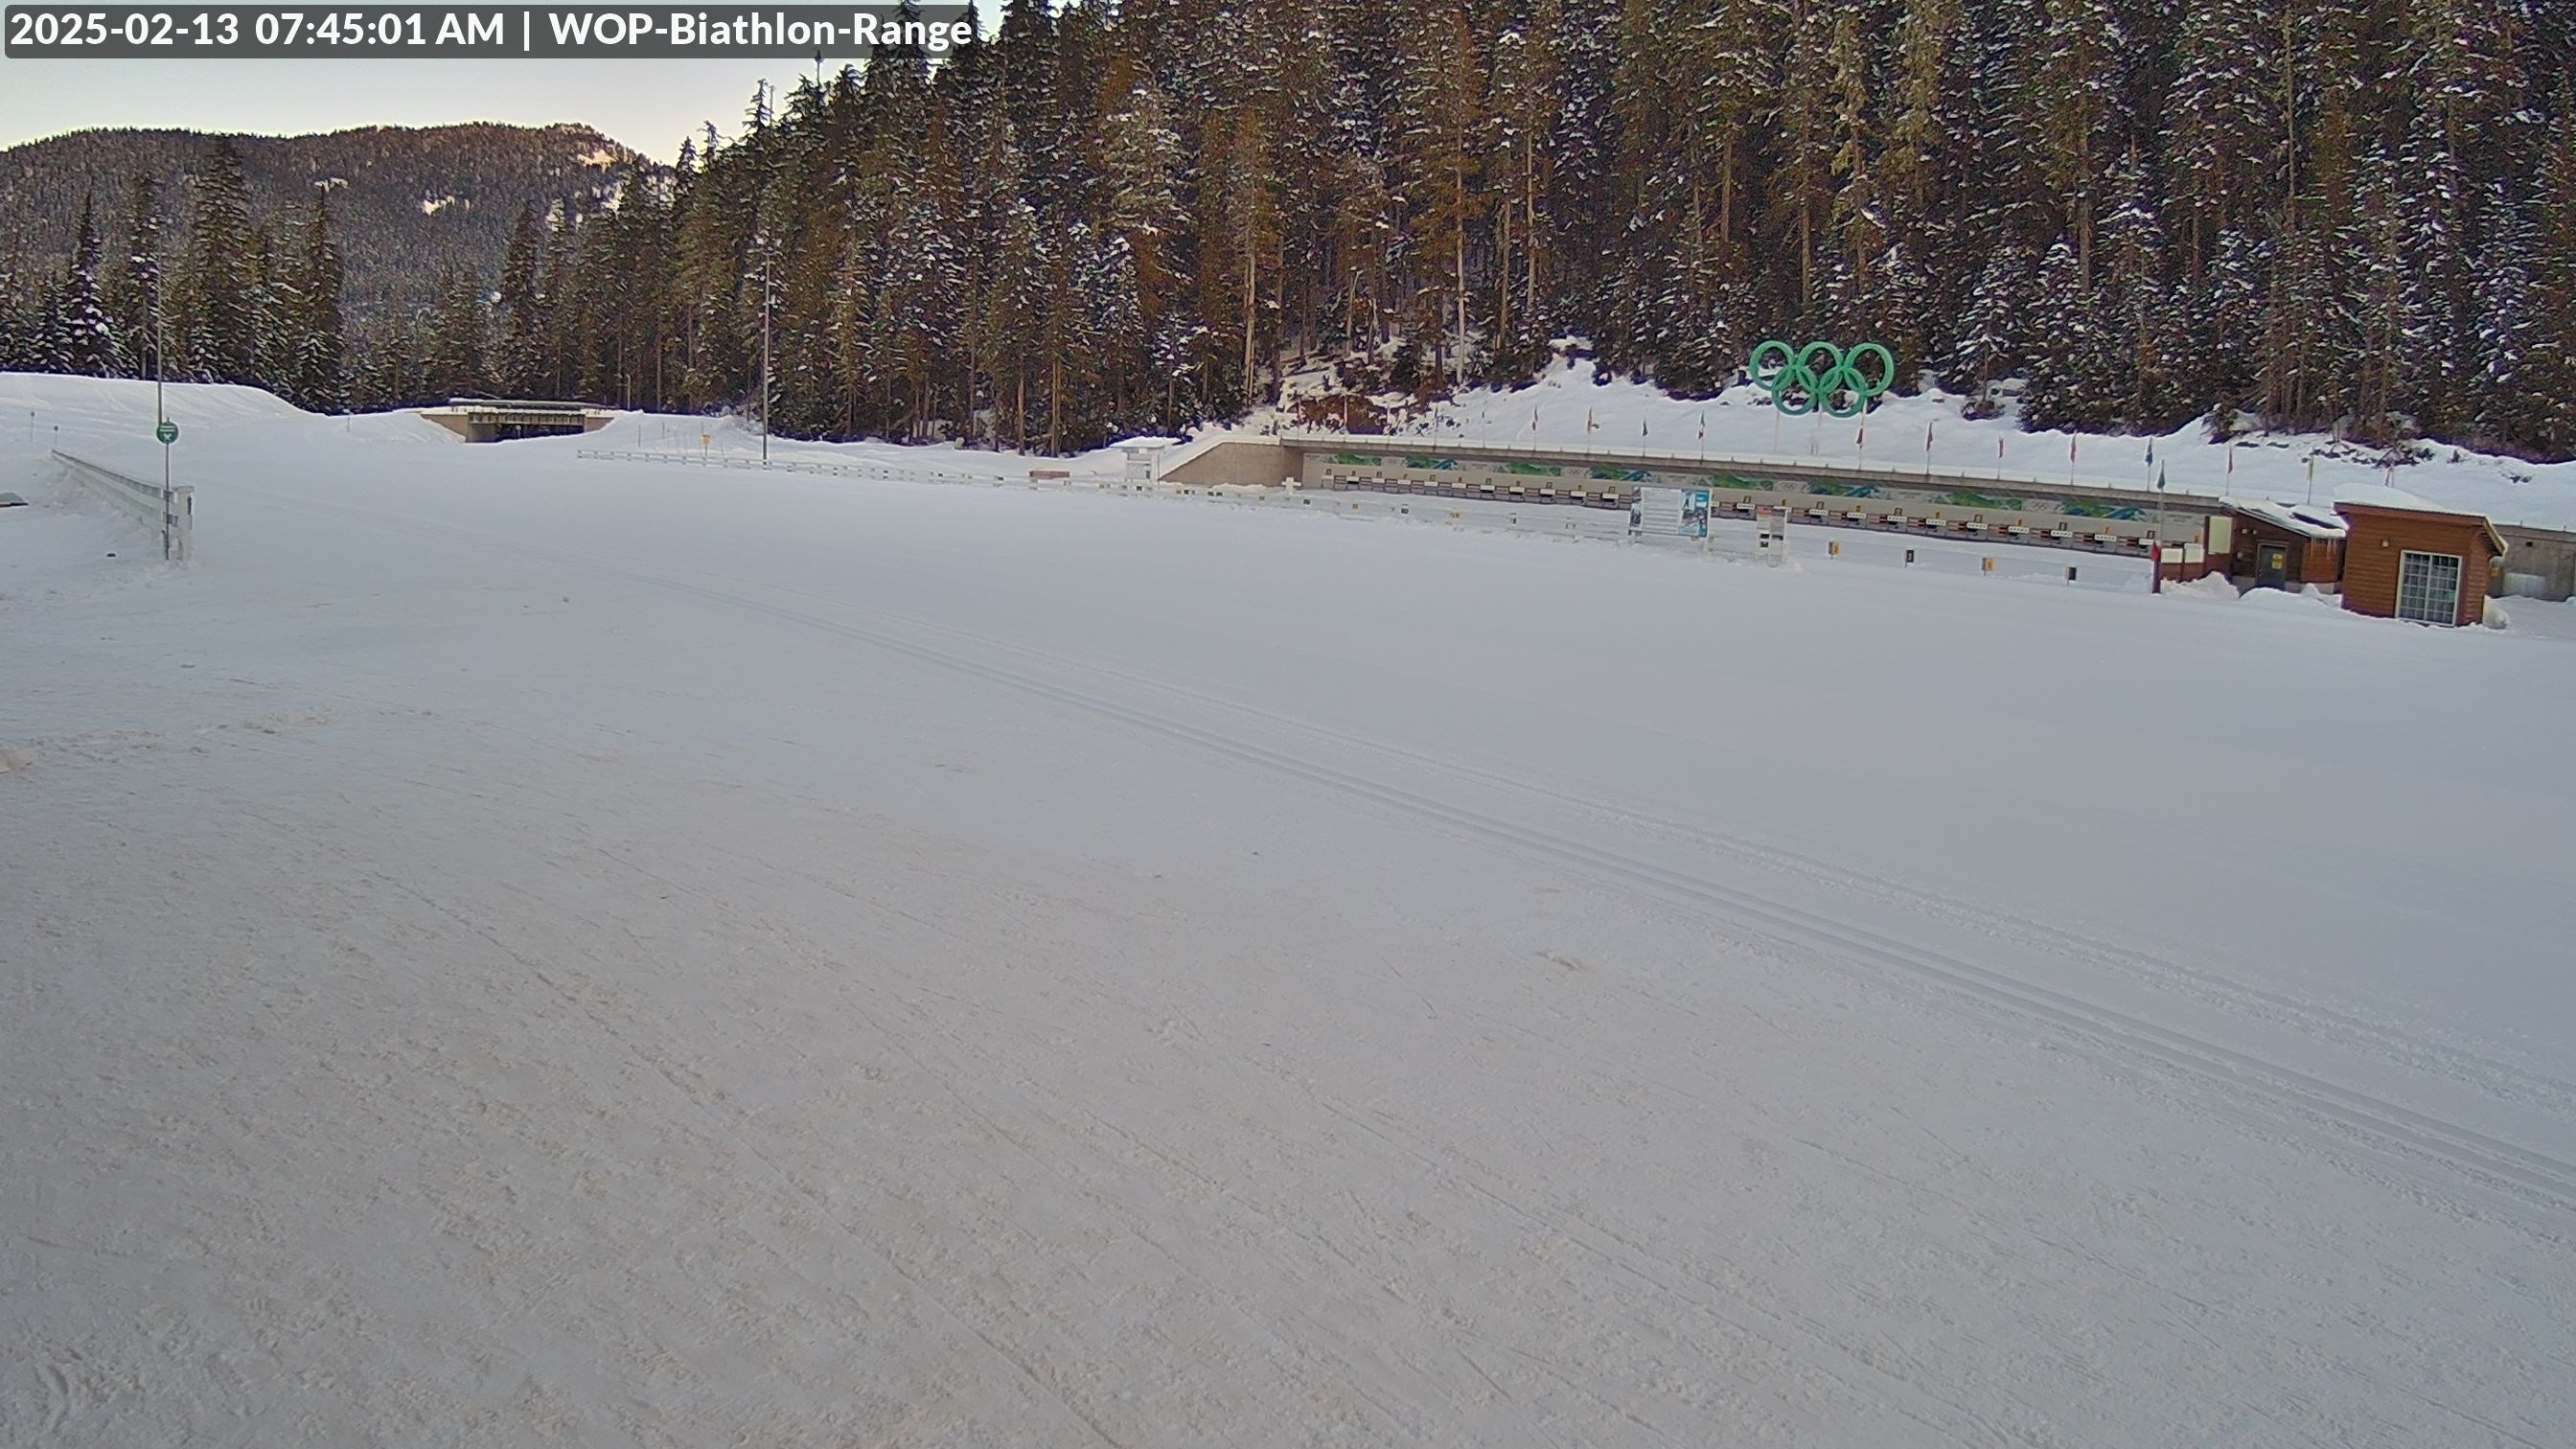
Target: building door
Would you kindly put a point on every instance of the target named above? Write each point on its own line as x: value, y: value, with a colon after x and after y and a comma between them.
x: 2271, y: 566
x: 2428, y: 587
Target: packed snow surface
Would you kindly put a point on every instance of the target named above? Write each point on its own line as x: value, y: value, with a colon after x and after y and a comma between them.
x: 508, y: 948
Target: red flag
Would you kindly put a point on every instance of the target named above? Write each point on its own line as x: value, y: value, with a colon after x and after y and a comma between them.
x: 2070, y: 447
x: 1927, y: 439
x: 1999, y: 448
x: 2231, y: 455
x: 1588, y: 424
x: 1703, y: 424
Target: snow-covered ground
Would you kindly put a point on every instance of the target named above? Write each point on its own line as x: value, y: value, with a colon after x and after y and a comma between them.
x: 1568, y: 408
x: 514, y: 949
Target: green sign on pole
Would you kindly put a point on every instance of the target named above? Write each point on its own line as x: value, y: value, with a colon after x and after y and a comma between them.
x: 167, y: 432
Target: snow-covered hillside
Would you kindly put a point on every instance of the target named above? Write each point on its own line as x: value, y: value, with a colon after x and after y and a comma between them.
x: 510, y: 948
x: 1571, y: 407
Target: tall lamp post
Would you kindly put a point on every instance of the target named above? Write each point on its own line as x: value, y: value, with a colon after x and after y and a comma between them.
x: 765, y: 298
x: 160, y: 411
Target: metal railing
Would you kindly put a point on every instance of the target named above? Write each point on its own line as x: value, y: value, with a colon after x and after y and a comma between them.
x: 809, y: 465
x: 171, y: 510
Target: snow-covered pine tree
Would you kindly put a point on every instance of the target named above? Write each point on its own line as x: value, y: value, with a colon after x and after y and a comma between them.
x: 2073, y: 108
x: 1859, y: 221
x: 2138, y: 307
x: 2073, y: 350
x: 1438, y: 146
x: 515, y: 359
x: 1988, y: 348
x: 17, y: 330
x: 2385, y: 300
x: 2547, y: 374
x: 1525, y: 108
x: 133, y: 281
x: 2506, y: 328
x: 2221, y: 325
x: 277, y: 305
x: 453, y: 362
x: 1800, y: 207
x: 2223, y: 147
x: 83, y: 342
x: 320, y: 361
x: 1912, y: 171
x: 215, y: 320
x: 1238, y: 230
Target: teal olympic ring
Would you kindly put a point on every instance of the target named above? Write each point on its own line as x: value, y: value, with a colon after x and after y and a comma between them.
x: 1820, y: 375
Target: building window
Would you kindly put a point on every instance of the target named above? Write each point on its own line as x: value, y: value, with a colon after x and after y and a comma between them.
x: 2428, y: 587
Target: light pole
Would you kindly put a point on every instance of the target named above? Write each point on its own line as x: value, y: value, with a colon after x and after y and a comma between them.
x: 764, y: 352
x: 160, y: 411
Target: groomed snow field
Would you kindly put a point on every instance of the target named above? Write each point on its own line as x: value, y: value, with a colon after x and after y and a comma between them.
x: 511, y: 949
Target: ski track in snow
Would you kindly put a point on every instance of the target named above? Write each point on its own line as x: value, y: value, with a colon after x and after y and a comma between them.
x: 908, y: 966
x: 2549, y: 1181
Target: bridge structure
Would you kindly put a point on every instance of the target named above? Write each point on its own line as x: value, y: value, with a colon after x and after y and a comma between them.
x: 493, y: 420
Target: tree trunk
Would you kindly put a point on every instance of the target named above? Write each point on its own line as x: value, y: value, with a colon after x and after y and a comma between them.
x: 1251, y: 290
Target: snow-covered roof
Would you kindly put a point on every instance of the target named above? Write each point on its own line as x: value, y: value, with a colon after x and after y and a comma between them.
x: 2380, y: 495
x: 2398, y: 500
x: 2306, y: 523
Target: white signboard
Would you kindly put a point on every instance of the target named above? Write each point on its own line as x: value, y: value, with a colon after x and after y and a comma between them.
x: 1669, y: 513
x: 1771, y: 531
x: 1144, y: 458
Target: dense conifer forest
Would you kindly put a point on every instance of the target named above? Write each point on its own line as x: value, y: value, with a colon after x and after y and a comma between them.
x: 1108, y: 219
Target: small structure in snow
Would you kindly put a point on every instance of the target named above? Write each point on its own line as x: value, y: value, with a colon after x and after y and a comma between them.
x: 2284, y: 546
x: 2406, y: 559
x: 1145, y: 457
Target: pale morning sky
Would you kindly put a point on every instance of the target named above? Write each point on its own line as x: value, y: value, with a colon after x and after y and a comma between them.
x: 648, y: 104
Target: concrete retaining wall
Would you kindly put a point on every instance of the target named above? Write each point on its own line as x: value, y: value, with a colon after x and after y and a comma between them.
x: 1236, y: 461
x: 2539, y: 562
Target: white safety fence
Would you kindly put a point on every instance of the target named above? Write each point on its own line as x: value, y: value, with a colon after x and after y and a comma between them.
x: 172, y: 511
x: 990, y: 479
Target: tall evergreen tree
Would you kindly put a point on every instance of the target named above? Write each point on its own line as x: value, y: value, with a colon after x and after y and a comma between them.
x: 319, y: 360
x: 83, y: 341
x: 454, y: 362
x: 133, y: 290
x: 216, y: 322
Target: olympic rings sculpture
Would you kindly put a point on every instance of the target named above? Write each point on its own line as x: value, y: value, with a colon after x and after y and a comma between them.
x: 1820, y: 375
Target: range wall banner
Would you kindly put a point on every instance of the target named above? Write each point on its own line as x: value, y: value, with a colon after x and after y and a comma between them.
x: 1669, y: 513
